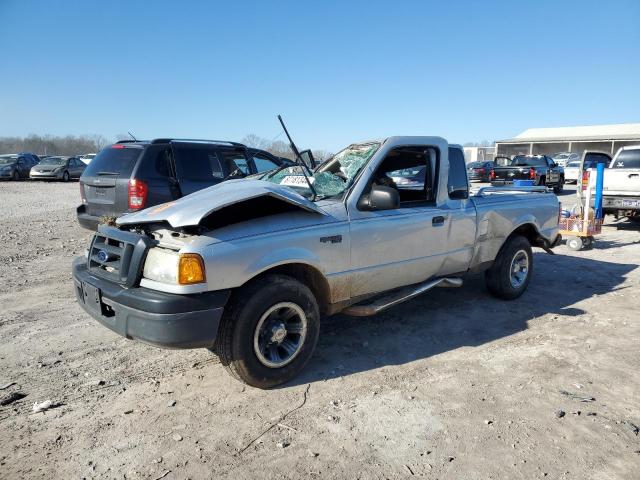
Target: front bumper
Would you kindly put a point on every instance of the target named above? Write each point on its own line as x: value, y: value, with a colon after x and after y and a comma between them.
x: 45, y: 176
x: 163, y: 319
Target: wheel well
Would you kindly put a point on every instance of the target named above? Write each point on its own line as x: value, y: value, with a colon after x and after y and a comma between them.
x: 528, y: 231
x: 308, y: 275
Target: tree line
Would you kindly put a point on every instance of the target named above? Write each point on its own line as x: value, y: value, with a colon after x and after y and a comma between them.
x: 80, y: 144
x: 280, y: 148
x: 54, y: 145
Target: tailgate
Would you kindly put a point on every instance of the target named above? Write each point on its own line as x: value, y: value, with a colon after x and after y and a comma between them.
x: 100, y: 193
x: 105, y: 181
x: 511, y: 173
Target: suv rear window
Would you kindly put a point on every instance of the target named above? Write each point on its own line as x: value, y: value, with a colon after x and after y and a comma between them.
x: 627, y: 159
x: 114, y: 160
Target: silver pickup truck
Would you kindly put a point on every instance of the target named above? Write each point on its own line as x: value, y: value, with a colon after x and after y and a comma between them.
x: 247, y: 268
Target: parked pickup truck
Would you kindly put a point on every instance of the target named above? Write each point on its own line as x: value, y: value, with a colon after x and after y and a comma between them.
x: 248, y: 267
x: 621, y: 187
x: 539, y: 168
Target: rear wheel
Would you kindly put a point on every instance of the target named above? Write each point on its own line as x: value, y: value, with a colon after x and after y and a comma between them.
x: 559, y: 187
x: 510, y: 274
x: 269, y: 331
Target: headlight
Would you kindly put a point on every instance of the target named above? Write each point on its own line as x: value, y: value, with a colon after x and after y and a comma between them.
x: 167, y: 266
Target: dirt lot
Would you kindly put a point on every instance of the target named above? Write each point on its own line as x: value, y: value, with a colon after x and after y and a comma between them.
x: 455, y: 384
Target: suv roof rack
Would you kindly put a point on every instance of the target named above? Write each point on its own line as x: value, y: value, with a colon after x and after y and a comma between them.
x: 219, y: 142
x: 132, y: 141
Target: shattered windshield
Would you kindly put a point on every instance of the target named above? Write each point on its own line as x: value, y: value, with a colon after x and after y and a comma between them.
x: 332, y: 177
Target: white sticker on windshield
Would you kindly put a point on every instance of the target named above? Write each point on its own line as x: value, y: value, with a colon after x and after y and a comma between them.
x: 296, y: 181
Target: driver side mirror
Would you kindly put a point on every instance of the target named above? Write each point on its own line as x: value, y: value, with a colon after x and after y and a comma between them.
x: 380, y: 198
x: 460, y: 192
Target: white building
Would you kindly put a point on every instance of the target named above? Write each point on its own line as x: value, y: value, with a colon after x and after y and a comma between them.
x: 545, y: 141
x: 479, y: 154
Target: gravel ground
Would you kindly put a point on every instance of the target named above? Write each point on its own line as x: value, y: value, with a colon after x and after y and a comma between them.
x: 454, y: 384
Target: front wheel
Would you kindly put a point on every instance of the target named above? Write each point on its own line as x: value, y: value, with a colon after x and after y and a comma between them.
x: 65, y: 177
x: 510, y: 274
x: 269, y: 331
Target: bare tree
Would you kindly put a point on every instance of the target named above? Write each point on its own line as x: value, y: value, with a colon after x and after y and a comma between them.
x: 54, y: 145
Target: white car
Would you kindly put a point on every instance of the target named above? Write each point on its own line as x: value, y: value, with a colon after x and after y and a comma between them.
x: 572, y: 172
x: 564, y: 158
x: 87, y: 157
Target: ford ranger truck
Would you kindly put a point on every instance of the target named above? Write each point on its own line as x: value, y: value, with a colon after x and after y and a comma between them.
x: 248, y: 268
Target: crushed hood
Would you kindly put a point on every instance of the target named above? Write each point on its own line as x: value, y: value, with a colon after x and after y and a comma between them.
x: 192, y: 209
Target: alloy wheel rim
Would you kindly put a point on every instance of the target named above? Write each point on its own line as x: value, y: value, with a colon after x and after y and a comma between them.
x: 519, y: 269
x: 280, y: 334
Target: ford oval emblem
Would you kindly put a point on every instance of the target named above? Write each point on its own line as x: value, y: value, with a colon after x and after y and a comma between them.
x: 103, y: 256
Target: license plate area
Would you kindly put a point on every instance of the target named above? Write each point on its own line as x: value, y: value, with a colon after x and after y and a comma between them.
x: 92, y: 297
x: 626, y: 203
x: 100, y: 191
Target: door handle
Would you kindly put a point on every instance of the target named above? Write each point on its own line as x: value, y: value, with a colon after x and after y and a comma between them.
x: 437, y: 221
x: 631, y: 175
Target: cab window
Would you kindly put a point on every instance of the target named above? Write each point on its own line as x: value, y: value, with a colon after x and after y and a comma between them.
x: 410, y: 170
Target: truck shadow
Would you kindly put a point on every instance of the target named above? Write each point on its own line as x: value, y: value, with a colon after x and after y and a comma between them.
x: 449, y: 318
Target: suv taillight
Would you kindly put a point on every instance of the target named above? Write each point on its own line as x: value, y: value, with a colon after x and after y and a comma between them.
x: 532, y: 173
x: 492, y: 174
x: 585, y: 180
x: 137, y: 194
x: 83, y: 197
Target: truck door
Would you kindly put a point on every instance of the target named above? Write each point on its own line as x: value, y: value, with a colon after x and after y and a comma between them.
x: 461, y: 231
x: 392, y: 248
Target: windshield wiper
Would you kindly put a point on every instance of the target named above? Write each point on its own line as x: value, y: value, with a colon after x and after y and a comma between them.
x: 299, y: 159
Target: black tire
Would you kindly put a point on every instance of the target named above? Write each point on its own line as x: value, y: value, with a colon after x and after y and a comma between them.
x: 499, y: 277
x: 65, y: 177
x: 559, y: 187
x: 16, y: 176
x: 237, y: 332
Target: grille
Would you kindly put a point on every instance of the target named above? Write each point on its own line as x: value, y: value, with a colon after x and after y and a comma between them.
x: 117, y: 255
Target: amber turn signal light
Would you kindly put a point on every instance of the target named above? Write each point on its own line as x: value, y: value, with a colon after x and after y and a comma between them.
x: 191, y: 269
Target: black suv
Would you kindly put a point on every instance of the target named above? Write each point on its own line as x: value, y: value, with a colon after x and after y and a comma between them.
x: 131, y: 175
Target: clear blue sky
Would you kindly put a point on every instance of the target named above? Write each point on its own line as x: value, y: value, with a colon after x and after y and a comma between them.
x: 337, y: 71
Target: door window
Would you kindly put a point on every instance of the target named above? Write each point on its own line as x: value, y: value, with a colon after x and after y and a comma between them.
x: 235, y: 161
x: 627, y: 159
x: 457, y: 173
x: 197, y: 162
x: 408, y: 170
x: 263, y: 164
